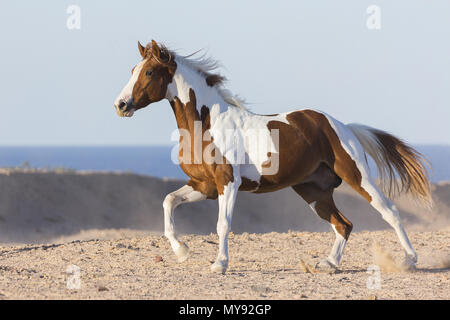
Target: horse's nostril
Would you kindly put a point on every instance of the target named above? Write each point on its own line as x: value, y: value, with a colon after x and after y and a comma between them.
x: 122, y: 105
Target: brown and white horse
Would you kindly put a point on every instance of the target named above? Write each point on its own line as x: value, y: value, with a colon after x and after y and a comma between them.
x: 309, y: 151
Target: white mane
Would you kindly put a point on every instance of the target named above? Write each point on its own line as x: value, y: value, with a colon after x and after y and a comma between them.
x: 206, y: 66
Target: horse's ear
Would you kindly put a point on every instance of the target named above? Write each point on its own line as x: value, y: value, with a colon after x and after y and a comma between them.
x: 155, y: 49
x: 141, y: 49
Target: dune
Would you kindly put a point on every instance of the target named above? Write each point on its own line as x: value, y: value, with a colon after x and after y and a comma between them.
x: 38, y: 206
x: 108, y: 226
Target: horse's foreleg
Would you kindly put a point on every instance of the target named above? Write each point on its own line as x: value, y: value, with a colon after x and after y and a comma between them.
x: 226, y: 205
x: 183, y: 195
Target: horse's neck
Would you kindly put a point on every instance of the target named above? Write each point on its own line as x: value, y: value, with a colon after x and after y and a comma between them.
x: 186, y: 79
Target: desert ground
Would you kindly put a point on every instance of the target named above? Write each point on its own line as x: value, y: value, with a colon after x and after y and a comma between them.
x: 109, y: 227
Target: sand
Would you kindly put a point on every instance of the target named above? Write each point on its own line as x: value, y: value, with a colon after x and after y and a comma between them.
x: 262, y: 266
x: 108, y: 226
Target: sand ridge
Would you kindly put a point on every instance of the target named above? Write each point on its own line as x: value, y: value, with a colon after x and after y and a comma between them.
x: 106, y: 228
x: 38, y: 206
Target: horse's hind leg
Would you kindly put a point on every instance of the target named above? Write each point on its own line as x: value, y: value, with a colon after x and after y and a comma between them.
x: 365, y: 186
x: 321, y: 201
x: 183, y: 195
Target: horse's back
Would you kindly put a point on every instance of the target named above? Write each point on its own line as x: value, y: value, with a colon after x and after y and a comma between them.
x: 303, y: 145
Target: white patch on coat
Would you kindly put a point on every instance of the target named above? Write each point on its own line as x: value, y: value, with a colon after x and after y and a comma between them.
x: 228, y: 122
x: 243, y: 138
x: 355, y: 150
x: 204, y: 66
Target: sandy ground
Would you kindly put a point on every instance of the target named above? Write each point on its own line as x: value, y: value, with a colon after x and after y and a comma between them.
x: 262, y: 266
x: 48, y: 220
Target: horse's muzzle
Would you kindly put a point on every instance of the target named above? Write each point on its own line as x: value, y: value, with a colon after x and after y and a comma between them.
x: 124, y: 109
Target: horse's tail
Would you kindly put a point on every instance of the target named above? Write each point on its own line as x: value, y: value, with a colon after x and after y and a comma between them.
x: 393, y: 156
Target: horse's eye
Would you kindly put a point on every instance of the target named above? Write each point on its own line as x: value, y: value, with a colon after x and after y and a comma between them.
x: 148, y: 73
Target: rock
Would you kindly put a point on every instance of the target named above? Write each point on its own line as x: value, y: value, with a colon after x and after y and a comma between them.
x: 102, y: 288
x: 260, y: 289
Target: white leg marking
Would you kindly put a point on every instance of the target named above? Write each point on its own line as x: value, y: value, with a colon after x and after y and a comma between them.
x: 183, y: 195
x: 226, y: 205
x: 390, y: 214
x: 335, y: 255
x: 338, y: 248
x: 387, y: 209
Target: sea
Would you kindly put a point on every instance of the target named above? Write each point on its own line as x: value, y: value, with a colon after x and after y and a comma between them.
x: 151, y: 160
x: 148, y: 160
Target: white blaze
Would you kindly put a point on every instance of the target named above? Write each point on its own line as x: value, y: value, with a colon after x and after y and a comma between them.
x: 125, y: 94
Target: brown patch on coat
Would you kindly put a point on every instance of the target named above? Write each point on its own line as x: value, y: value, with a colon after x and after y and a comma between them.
x: 338, y: 159
x: 306, y: 142
x: 325, y: 206
x: 268, y: 162
x: 155, y: 75
x: 224, y: 175
x: 207, y: 178
x: 299, y: 151
x: 205, y: 117
x: 248, y: 185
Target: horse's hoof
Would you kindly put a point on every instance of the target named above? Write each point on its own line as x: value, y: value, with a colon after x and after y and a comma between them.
x: 408, y: 264
x: 182, y: 252
x: 411, y: 258
x: 219, y: 267
x: 325, y: 265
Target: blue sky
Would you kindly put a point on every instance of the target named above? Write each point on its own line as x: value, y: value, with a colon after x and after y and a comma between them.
x: 58, y: 85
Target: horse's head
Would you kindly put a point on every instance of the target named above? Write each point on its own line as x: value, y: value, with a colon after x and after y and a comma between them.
x: 149, y: 80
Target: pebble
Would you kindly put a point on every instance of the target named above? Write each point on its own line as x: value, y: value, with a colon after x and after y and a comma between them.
x: 102, y: 288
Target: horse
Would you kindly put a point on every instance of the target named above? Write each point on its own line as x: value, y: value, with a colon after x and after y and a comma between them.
x: 309, y: 151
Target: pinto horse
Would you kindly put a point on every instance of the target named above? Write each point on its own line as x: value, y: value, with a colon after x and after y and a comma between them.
x: 311, y: 152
